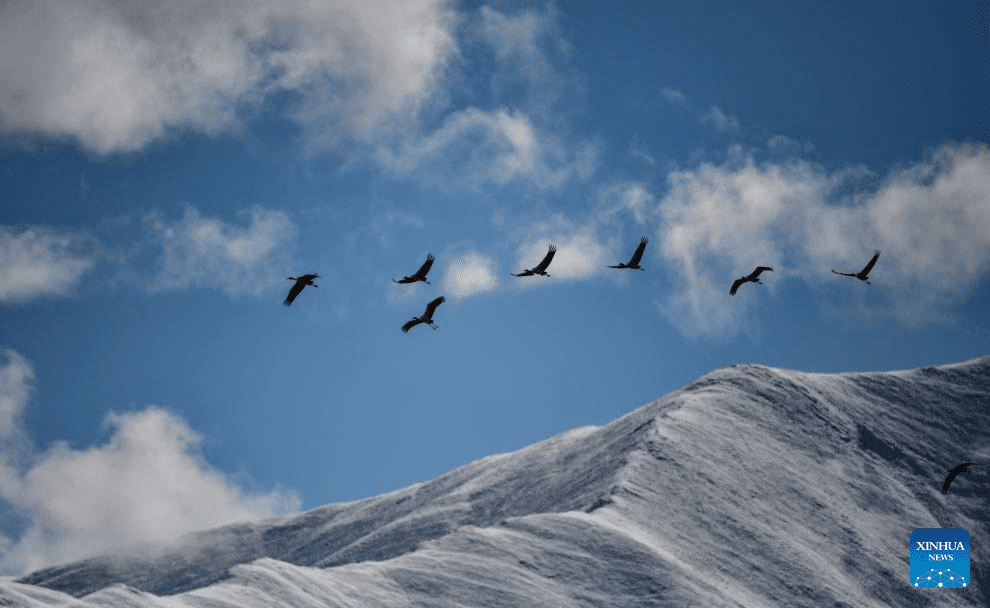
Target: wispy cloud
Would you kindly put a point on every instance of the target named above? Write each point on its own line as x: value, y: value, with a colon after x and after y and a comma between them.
x: 148, y: 483
x: 720, y: 120
x: 629, y: 198
x: 674, y: 96
x: 161, y: 254
x: 199, y: 251
x: 931, y: 219
x: 469, y: 275
x: 38, y: 261
x: 117, y: 75
x: 475, y: 148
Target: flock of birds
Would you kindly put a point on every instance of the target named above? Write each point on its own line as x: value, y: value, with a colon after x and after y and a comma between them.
x: 426, y: 318
x: 306, y: 280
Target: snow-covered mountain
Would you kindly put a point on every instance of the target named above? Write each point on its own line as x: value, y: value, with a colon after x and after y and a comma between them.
x: 751, y: 486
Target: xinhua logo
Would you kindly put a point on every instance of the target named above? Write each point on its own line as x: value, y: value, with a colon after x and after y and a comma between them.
x: 940, y: 558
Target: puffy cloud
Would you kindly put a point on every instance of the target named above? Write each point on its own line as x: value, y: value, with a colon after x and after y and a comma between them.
x: 580, y: 252
x: 470, y: 274
x: 931, y: 219
x: 148, y: 483
x: 206, y: 252
x: 116, y: 74
x: 38, y: 261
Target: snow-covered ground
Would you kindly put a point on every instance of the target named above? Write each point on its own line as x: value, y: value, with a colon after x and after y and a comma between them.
x: 751, y: 486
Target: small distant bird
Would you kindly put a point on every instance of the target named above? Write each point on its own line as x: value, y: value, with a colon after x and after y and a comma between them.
x: 540, y: 268
x: 636, y: 257
x: 300, y: 283
x: 419, y: 275
x: 426, y: 317
x: 862, y: 275
x: 753, y: 277
x: 963, y: 468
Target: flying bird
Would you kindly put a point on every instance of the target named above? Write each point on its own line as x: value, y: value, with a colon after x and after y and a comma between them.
x: 540, y: 268
x: 419, y: 275
x: 753, y: 277
x: 862, y: 275
x: 963, y: 468
x: 300, y: 283
x: 637, y: 255
x: 426, y: 317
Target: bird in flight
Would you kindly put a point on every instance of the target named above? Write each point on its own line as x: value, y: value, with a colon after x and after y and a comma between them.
x: 297, y: 287
x: 540, y: 268
x: 753, y: 277
x: 637, y: 255
x: 963, y: 468
x: 419, y: 275
x: 426, y: 317
x: 862, y: 275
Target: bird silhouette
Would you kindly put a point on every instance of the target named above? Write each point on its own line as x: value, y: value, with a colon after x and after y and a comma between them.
x: 419, y: 275
x: 753, y: 277
x: 963, y: 468
x: 426, y: 317
x: 637, y: 255
x: 300, y: 283
x: 862, y: 275
x: 540, y: 268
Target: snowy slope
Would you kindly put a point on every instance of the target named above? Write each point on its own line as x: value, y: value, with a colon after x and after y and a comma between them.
x: 751, y: 486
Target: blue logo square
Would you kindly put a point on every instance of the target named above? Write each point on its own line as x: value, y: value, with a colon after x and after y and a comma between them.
x: 940, y: 558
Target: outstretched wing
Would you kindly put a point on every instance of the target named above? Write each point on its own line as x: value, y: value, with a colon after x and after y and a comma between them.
x: 845, y: 274
x: 425, y: 268
x: 306, y: 278
x: 411, y: 323
x: 759, y: 269
x: 869, y: 266
x: 432, y: 306
x: 294, y: 291
x: 638, y: 254
x: 542, y: 266
x: 525, y: 273
x: 736, y: 284
x: 952, y: 475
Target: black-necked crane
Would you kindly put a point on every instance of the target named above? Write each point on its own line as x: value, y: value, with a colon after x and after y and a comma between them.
x: 862, y: 275
x: 540, y: 268
x: 637, y: 255
x: 753, y: 277
x: 300, y: 283
x: 426, y: 317
x: 419, y: 275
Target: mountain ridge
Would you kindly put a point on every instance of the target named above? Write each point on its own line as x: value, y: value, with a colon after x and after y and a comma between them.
x: 666, y: 500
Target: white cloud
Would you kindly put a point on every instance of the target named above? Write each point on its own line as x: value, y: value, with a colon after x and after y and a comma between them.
x: 469, y: 275
x: 38, y: 261
x: 116, y: 75
x: 147, y: 483
x: 580, y: 252
x: 632, y: 198
x: 932, y: 221
x: 674, y: 96
x: 720, y: 120
x: 206, y: 252
x: 523, y: 44
x: 476, y: 148
x: 16, y: 377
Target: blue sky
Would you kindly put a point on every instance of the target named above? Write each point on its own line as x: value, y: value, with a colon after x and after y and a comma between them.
x: 163, y: 171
